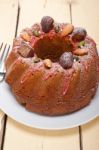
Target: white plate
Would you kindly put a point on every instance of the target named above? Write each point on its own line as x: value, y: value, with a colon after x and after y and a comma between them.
x: 13, y: 109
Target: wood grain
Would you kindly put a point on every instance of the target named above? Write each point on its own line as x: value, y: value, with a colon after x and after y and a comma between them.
x: 21, y: 137
x: 86, y: 14
x: 90, y: 135
x: 2, y: 121
x: 32, y: 11
x: 8, y: 15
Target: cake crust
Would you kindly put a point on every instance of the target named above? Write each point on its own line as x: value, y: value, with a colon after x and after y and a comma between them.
x: 40, y: 81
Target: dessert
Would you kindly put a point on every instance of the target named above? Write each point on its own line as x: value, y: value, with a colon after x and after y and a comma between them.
x: 53, y: 68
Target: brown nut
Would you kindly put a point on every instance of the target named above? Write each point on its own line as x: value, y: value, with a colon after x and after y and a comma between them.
x: 47, y: 23
x: 28, y: 31
x: 17, y: 41
x: 25, y: 36
x: 81, y: 51
x: 48, y: 63
x: 36, y: 59
x: 67, y: 29
x: 79, y: 34
x: 57, y: 27
x: 66, y: 60
x: 36, y: 29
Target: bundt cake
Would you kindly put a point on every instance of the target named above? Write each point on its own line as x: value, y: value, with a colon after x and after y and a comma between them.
x: 53, y: 68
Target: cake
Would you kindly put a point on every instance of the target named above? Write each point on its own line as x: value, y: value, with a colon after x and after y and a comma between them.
x: 52, y: 68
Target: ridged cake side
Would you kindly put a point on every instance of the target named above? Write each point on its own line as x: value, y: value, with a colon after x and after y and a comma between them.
x: 51, y: 87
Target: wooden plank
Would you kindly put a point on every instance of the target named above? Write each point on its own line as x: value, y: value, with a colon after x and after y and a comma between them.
x: 8, y: 15
x: 45, y: 7
x: 21, y: 137
x: 91, y: 135
x: 86, y: 14
x: 33, y: 12
x: 2, y: 121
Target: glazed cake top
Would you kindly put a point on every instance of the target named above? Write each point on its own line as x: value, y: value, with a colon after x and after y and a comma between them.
x: 50, y: 42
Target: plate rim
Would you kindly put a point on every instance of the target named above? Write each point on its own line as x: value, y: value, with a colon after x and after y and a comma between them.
x: 44, y: 127
x: 54, y: 128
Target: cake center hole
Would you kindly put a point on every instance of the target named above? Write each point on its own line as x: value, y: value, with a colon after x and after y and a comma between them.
x: 52, y: 48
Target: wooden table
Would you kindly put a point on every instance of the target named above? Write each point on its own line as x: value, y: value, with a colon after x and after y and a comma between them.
x: 16, y: 15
